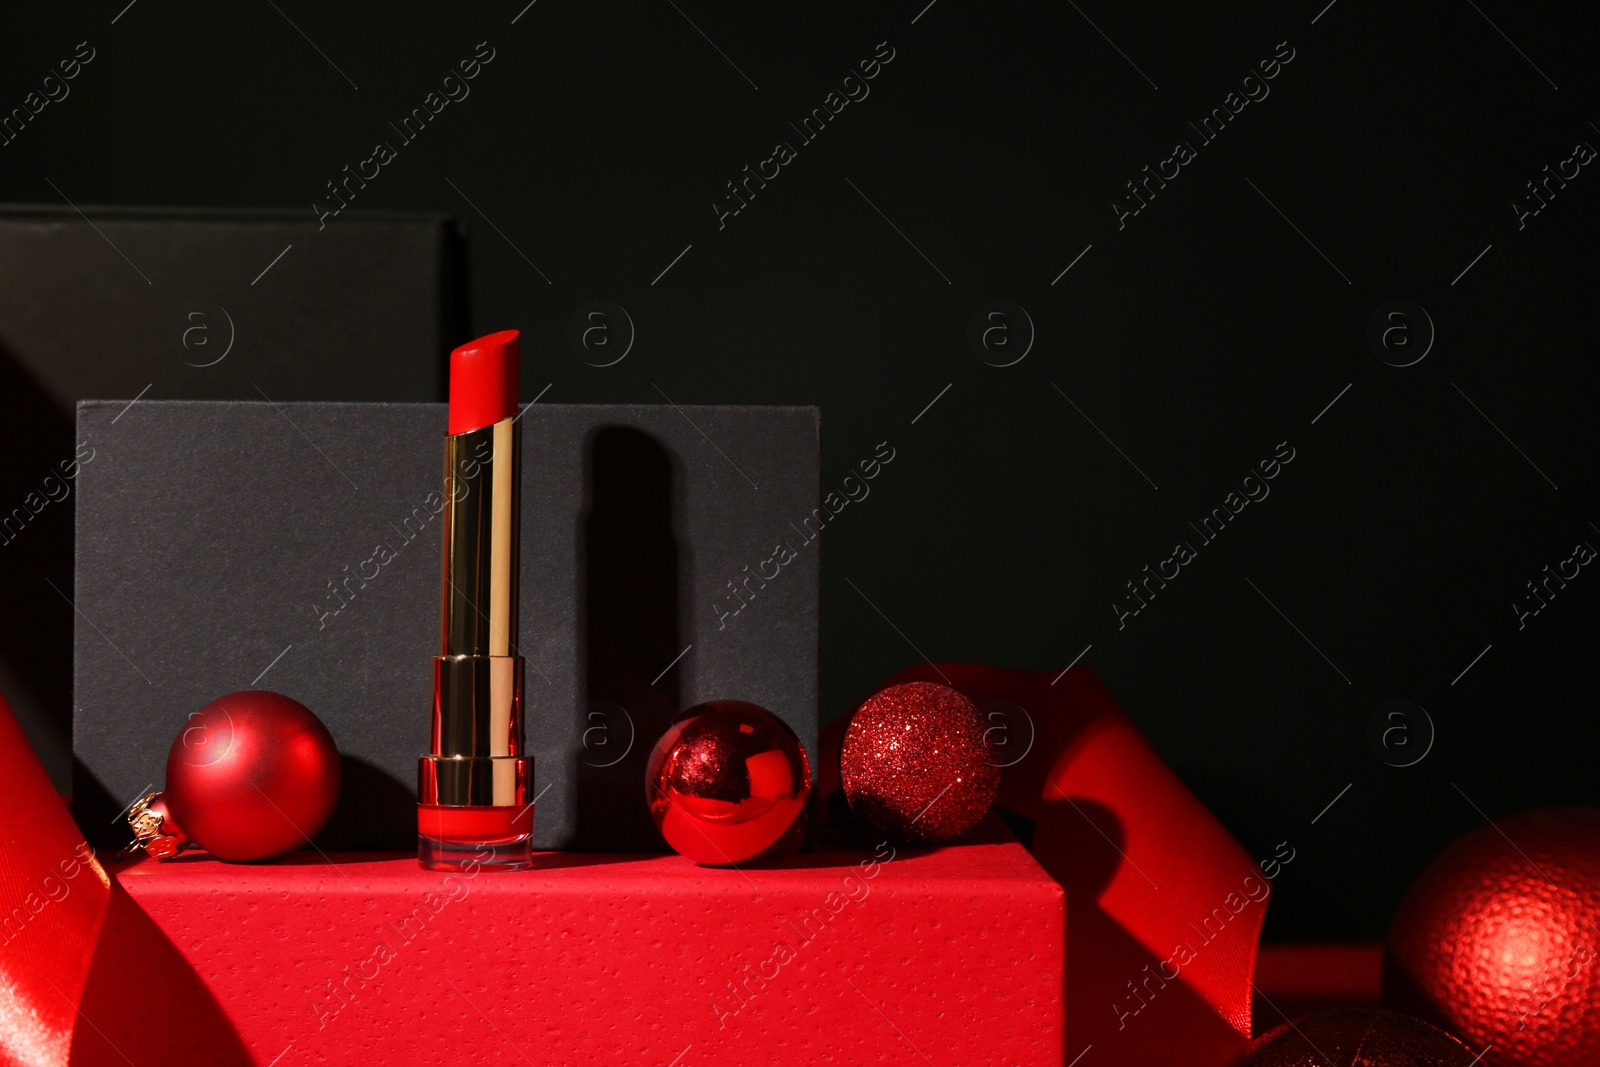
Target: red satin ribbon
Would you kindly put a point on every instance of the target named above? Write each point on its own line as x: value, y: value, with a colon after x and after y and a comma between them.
x: 53, y: 901
x: 1164, y: 909
x: 86, y: 978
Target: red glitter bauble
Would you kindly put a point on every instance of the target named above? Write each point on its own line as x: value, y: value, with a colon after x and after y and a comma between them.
x: 251, y: 775
x: 728, y: 784
x: 1356, y: 1039
x: 1498, y: 941
x: 916, y: 763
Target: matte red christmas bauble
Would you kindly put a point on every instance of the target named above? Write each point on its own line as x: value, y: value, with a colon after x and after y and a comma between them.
x: 250, y: 776
x: 728, y: 784
x: 1498, y: 941
x: 1356, y: 1039
x: 916, y: 763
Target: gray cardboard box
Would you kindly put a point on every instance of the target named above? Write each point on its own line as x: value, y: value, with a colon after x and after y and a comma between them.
x: 185, y: 303
x: 294, y: 547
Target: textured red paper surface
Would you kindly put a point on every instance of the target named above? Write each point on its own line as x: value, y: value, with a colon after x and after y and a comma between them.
x: 951, y: 954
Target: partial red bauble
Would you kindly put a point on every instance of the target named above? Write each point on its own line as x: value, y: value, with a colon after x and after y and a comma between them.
x: 1356, y: 1039
x: 1498, y: 941
x: 728, y: 783
x: 252, y: 775
x: 917, y: 764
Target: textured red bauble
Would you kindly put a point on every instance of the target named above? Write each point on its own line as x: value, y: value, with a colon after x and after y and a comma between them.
x: 728, y: 784
x: 1356, y: 1039
x: 916, y: 763
x: 251, y: 775
x: 1498, y: 941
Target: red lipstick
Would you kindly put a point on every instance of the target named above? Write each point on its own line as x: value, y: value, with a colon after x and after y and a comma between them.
x: 483, y: 381
x: 473, y: 787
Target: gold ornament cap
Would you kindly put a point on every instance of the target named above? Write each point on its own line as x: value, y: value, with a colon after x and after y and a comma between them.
x: 155, y: 832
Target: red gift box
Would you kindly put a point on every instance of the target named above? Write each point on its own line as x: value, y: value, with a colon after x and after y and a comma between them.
x: 842, y: 956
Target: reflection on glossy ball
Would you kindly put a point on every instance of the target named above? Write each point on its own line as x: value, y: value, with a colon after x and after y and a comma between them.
x: 1356, y: 1039
x: 728, y: 784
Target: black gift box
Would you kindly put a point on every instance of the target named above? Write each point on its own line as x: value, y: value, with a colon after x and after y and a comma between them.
x: 193, y: 304
x: 669, y: 556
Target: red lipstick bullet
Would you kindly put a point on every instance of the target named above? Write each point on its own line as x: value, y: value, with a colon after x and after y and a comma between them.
x: 473, y: 788
x: 483, y: 381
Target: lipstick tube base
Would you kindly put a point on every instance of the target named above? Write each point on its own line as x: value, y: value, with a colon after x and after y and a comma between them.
x: 471, y: 837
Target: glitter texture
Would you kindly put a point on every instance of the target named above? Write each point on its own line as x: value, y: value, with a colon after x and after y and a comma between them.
x: 916, y: 764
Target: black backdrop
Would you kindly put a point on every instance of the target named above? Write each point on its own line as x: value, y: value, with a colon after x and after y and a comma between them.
x: 1186, y: 342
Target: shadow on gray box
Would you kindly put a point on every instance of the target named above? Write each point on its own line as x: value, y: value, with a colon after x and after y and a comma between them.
x: 631, y: 626
x: 350, y: 827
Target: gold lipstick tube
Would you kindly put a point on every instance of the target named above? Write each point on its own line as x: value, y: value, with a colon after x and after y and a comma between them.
x: 473, y: 787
